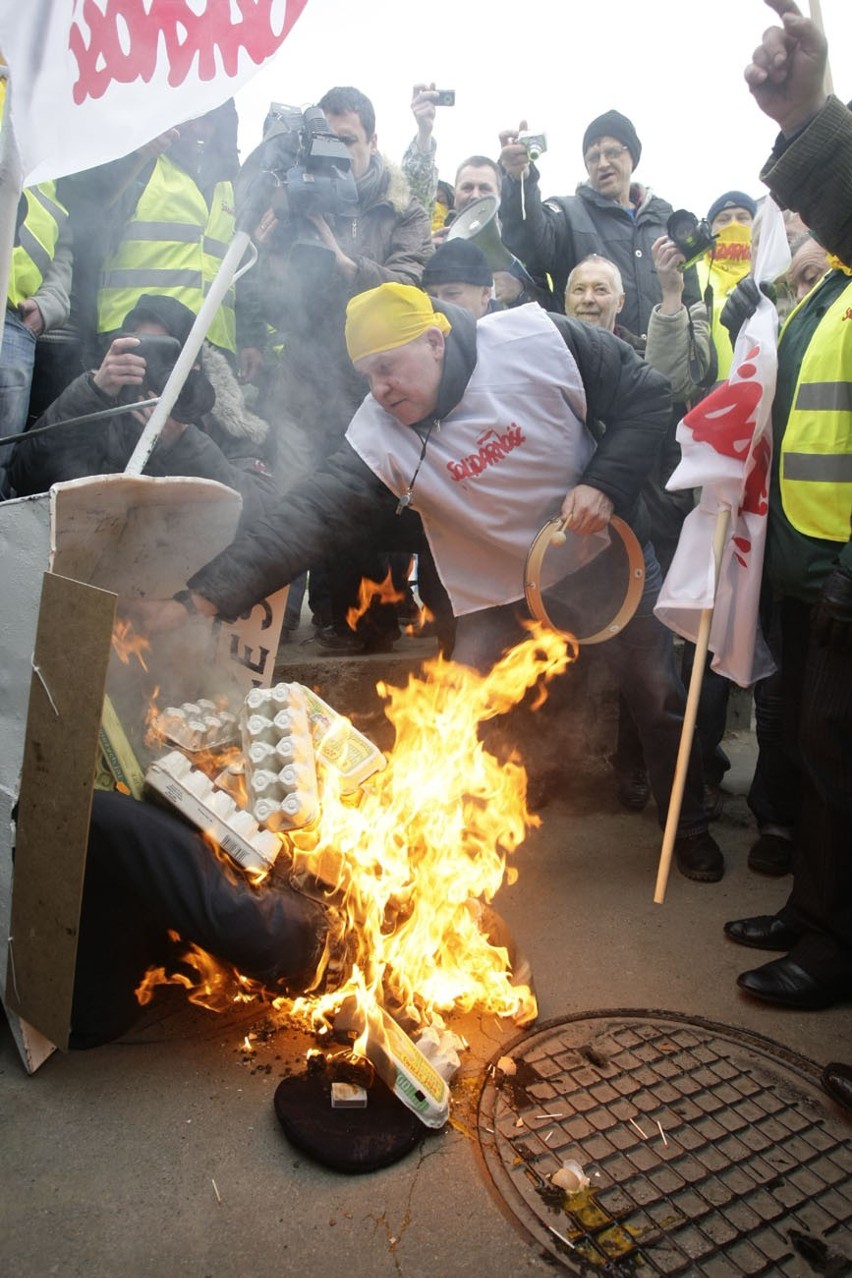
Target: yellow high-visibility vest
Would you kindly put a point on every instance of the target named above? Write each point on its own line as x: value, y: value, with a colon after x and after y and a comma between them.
x: 815, y: 469
x: 35, y: 242
x: 173, y: 245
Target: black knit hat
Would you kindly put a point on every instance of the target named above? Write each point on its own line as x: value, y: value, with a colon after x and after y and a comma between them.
x: 458, y: 262
x: 612, y: 124
x: 731, y: 200
x: 156, y: 308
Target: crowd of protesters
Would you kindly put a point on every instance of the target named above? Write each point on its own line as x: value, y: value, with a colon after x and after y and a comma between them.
x: 107, y: 259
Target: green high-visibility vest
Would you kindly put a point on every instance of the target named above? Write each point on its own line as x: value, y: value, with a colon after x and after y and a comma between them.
x: 173, y: 245
x: 35, y: 242
x: 816, y: 451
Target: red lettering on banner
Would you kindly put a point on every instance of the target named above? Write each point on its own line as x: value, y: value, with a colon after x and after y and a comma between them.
x: 742, y: 551
x: 127, y: 39
x: 724, y: 420
x: 755, y: 488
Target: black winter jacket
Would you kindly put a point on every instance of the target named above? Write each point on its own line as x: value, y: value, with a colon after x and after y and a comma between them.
x: 557, y: 234
x: 105, y: 447
x: 345, y: 503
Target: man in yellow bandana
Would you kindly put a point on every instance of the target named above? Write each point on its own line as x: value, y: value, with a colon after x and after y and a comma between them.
x: 479, y: 429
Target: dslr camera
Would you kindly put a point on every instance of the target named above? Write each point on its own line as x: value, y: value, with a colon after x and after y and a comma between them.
x: 536, y: 143
x: 692, y: 235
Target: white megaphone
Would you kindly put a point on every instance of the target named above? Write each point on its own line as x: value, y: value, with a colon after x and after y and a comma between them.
x: 479, y: 223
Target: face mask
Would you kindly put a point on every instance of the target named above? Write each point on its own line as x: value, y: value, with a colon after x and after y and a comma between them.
x: 731, y: 254
x: 734, y: 242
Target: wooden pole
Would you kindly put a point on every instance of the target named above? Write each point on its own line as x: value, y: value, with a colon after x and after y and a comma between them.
x: 720, y: 535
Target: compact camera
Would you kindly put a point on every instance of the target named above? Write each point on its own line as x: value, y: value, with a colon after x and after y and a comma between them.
x: 536, y: 143
x: 446, y: 97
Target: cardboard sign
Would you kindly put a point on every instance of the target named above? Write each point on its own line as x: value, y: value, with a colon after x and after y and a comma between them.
x: 126, y: 537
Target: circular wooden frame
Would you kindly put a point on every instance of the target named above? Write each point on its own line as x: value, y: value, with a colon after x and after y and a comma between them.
x: 549, y: 535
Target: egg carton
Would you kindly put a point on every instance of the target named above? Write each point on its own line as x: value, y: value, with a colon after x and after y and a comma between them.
x: 340, y: 745
x: 197, y: 725
x: 192, y: 793
x: 278, y: 751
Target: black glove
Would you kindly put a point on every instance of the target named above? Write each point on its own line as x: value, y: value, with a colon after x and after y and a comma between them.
x: 832, y: 617
x: 742, y: 303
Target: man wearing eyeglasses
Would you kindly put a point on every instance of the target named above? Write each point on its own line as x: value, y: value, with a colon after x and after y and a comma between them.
x: 610, y: 215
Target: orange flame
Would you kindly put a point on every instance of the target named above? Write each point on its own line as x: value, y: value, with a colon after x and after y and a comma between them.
x: 410, y: 864
x: 127, y: 643
x: 385, y: 591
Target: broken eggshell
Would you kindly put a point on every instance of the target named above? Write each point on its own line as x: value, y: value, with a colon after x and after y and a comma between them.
x: 570, y: 1177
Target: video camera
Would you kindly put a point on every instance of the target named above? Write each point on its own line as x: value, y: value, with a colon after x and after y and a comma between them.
x: 301, y: 168
x: 301, y: 165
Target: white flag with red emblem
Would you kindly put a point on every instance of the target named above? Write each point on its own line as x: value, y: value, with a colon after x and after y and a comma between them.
x: 93, y: 80
x: 726, y: 445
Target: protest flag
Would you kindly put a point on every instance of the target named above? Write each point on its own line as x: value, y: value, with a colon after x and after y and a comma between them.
x: 711, y: 593
x: 94, y: 80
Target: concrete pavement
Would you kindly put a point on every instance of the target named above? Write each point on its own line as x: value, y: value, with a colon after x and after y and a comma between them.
x: 160, y: 1155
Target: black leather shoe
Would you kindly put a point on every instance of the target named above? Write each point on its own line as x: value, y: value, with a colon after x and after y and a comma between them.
x: 763, y: 932
x: 837, y: 1081
x: 783, y: 982
x: 330, y: 641
x: 713, y: 801
x: 633, y: 790
x: 771, y: 854
x: 699, y: 857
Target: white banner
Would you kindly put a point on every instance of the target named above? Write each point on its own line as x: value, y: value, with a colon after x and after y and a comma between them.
x: 93, y: 80
x: 726, y: 442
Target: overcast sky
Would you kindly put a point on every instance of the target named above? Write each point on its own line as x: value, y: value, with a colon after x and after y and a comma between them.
x: 674, y: 66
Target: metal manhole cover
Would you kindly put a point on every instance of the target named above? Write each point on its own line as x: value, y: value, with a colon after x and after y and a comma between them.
x: 710, y: 1151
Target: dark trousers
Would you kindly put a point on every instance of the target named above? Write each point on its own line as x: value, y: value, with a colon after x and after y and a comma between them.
x: 774, y: 792
x: 146, y: 873
x: 642, y: 661
x: 817, y: 683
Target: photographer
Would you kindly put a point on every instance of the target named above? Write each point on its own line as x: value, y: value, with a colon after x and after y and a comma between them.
x: 104, y: 446
x: 321, y: 245
x: 610, y: 215
x: 352, y: 227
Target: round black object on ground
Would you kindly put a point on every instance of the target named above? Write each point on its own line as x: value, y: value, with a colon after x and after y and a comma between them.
x: 347, y: 1140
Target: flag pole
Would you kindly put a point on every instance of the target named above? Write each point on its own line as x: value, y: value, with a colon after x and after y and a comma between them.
x: 702, y: 643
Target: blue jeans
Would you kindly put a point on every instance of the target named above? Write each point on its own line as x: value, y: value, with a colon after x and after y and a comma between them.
x: 642, y: 660
x: 16, y: 374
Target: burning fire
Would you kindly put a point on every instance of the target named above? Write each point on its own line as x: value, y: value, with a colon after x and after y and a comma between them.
x: 412, y: 862
x: 385, y: 591
x: 126, y: 643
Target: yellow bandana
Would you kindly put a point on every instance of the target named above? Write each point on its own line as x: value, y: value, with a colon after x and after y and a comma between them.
x: 836, y: 264
x: 389, y: 316
x: 730, y: 258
